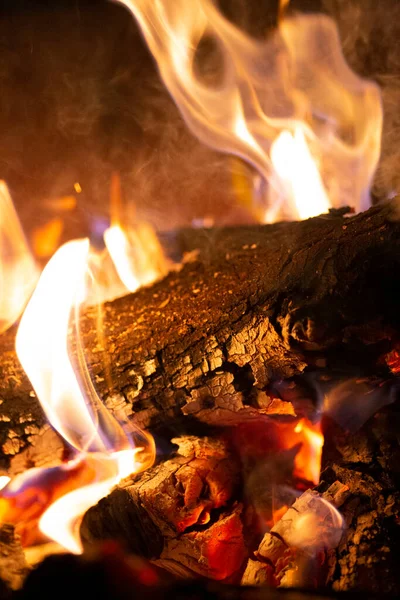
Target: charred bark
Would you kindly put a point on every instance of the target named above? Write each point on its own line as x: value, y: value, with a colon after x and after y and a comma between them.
x: 13, y: 567
x: 258, y: 304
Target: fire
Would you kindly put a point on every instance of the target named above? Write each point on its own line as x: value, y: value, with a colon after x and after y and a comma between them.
x: 292, y: 97
x: 308, y: 459
x: 106, y: 453
x: 299, y: 177
x: 18, y: 271
x: 136, y: 253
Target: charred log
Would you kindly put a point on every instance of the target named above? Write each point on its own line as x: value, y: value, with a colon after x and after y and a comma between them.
x: 258, y: 304
x: 181, y: 514
x: 362, y: 468
x: 13, y: 567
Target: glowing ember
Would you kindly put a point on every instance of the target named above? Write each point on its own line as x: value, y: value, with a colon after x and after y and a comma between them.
x: 18, y: 271
x: 296, y: 78
x: 308, y: 459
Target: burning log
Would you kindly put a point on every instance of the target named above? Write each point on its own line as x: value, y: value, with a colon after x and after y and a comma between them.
x: 181, y: 514
x: 361, y: 478
x: 173, y: 520
x: 258, y: 304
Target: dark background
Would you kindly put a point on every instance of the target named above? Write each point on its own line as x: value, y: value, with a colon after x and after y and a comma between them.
x: 80, y: 98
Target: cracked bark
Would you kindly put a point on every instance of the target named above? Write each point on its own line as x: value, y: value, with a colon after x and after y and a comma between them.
x: 258, y: 304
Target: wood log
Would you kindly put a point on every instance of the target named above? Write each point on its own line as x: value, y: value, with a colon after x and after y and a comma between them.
x: 13, y: 567
x: 258, y: 304
x: 364, y: 467
x: 181, y: 514
x: 160, y: 515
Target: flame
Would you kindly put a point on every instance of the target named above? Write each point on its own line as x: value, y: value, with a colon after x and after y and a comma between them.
x: 18, y: 271
x: 310, y: 440
x: 105, y: 451
x: 270, y: 94
x: 134, y: 248
x: 46, y: 239
x: 299, y: 177
x: 4, y: 480
x: 41, y: 346
x: 136, y: 253
x: 60, y: 522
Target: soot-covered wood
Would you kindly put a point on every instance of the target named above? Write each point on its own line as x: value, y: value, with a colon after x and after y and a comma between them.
x: 258, y: 304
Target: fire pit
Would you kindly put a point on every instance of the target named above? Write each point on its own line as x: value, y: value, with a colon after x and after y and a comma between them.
x: 212, y: 409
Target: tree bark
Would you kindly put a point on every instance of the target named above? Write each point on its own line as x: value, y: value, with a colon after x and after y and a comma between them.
x: 258, y: 304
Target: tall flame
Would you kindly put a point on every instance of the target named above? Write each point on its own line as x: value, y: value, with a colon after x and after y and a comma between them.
x: 106, y: 453
x: 296, y: 84
x: 18, y: 271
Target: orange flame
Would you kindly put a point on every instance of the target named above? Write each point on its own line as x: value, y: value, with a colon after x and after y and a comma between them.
x: 18, y: 271
x: 134, y: 248
x: 295, y: 81
x: 308, y: 459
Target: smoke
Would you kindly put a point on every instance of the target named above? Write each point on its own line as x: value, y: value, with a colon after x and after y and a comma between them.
x: 80, y: 98
x: 370, y: 33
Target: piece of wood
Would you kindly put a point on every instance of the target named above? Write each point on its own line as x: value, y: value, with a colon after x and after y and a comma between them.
x: 182, y: 513
x: 363, y: 467
x: 258, y: 304
x: 368, y: 463
x: 294, y: 553
x: 13, y: 566
x: 159, y: 514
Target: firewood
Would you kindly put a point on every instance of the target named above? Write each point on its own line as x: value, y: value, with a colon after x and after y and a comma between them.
x: 367, y: 462
x: 293, y: 553
x: 310, y: 546
x: 181, y: 513
x: 362, y: 469
x: 259, y: 303
x: 13, y: 567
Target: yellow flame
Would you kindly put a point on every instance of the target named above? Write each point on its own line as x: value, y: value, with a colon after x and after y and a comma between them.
x: 136, y: 254
x: 18, y: 271
x: 46, y: 239
x: 134, y: 248
x: 299, y: 177
x: 296, y: 77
